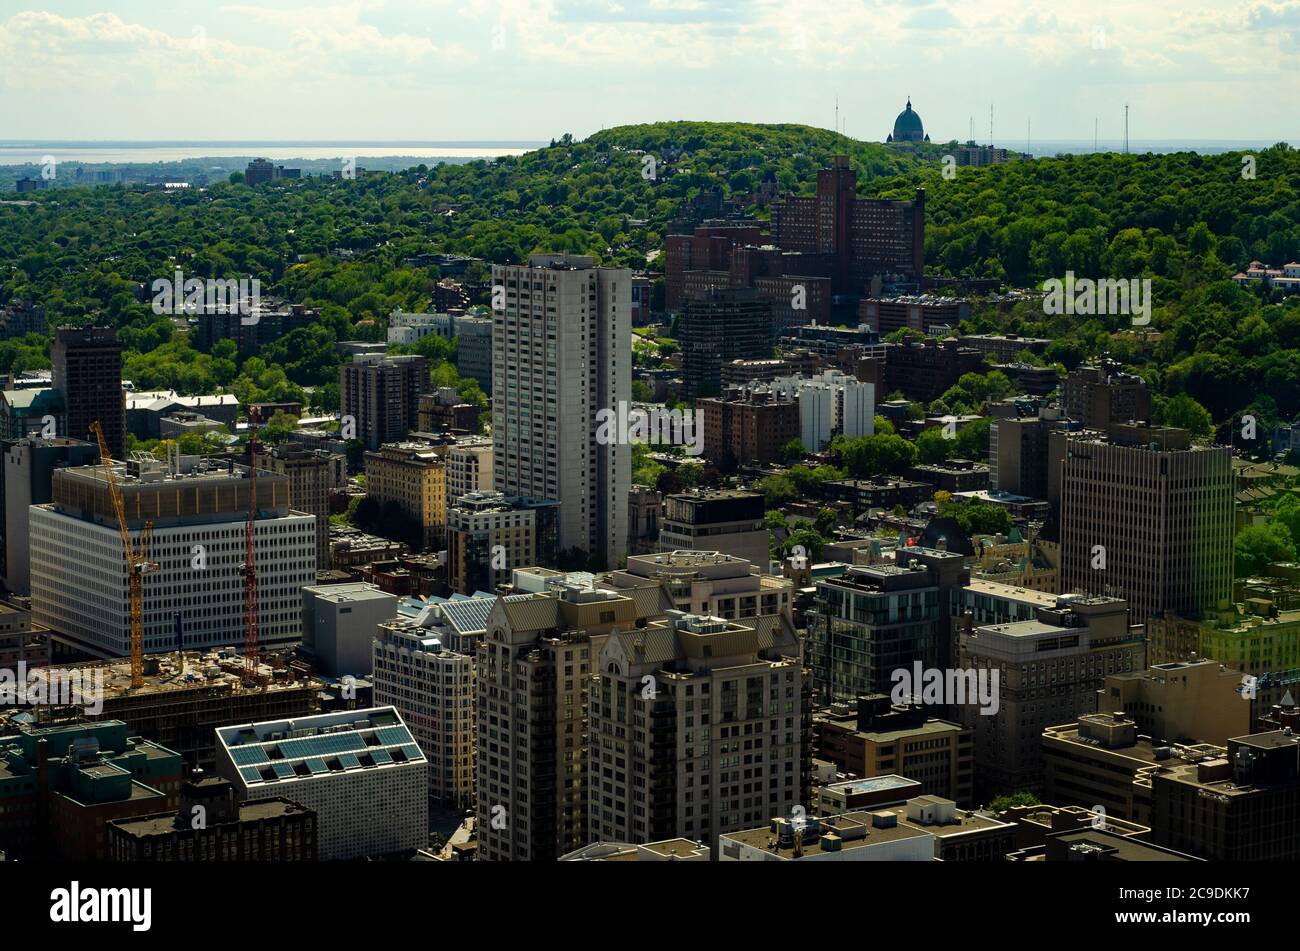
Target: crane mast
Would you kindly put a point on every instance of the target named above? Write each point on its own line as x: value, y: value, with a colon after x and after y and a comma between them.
x: 137, y: 562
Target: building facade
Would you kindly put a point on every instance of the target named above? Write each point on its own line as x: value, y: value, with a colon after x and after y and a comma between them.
x: 561, y: 353
x: 196, y: 598
x: 360, y: 771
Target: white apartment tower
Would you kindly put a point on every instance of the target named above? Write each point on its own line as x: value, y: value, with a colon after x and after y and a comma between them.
x: 561, y: 352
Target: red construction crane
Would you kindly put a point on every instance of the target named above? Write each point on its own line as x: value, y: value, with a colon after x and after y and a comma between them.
x: 249, y: 568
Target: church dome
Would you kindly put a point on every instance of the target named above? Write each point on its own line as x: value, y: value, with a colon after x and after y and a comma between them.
x: 908, y: 127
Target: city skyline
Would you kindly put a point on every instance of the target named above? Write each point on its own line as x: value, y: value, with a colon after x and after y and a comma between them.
x: 398, y: 70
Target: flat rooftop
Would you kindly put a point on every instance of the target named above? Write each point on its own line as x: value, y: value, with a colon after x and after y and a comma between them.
x: 308, y: 747
x: 846, y: 826
x: 164, y: 823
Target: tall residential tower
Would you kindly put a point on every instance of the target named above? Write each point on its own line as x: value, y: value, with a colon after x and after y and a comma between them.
x: 562, y: 352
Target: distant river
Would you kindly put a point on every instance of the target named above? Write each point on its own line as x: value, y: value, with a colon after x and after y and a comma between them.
x: 30, y: 153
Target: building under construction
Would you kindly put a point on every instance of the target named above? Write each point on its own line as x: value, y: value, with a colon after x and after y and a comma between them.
x: 181, y: 708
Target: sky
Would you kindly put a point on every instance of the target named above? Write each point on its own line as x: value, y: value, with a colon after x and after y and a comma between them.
x: 443, y: 70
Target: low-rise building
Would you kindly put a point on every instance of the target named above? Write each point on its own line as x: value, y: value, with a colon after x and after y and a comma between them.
x: 60, y: 784
x: 339, y: 623
x: 211, y: 826
x: 879, y: 738
x: 851, y: 837
x: 1102, y: 761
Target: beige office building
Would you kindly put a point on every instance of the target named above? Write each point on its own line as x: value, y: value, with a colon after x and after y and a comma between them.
x: 1182, y: 701
x: 414, y: 476
x: 533, y: 676
x: 1102, y: 760
x: 696, y: 729
x: 707, y: 582
x: 1146, y: 516
x: 469, y: 467
x: 1050, y: 670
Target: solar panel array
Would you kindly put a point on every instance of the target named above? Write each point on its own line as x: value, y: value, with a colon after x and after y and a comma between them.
x: 274, y: 760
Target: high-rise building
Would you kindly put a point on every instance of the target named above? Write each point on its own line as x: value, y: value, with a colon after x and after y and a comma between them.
x: 1049, y: 671
x: 382, y: 395
x: 533, y: 674
x: 696, y: 729
x: 1018, y: 453
x: 474, y: 350
x: 312, y: 474
x: 360, y: 771
x: 211, y: 826
x: 432, y: 686
x: 830, y: 404
x: 708, y: 249
x: 718, y: 326
x: 196, y: 598
x: 864, y: 237
x: 490, y: 535
x: 414, y: 476
x: 1146, y: 516
x: 562, y: 353
x: 29, y: 465
x: 875, y: 619
x: 87, y: 364
x: 729, y: 521
x: 1099, y: 396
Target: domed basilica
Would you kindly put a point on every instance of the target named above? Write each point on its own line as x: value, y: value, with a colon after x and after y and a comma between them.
x: 908, y: 127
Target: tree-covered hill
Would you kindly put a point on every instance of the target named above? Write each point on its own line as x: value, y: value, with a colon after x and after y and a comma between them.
x: 1184, y: 221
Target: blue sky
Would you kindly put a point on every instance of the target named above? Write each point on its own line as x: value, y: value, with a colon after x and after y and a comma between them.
x: 534, y: 69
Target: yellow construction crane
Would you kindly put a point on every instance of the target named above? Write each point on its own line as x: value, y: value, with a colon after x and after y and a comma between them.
x: 136, y: 561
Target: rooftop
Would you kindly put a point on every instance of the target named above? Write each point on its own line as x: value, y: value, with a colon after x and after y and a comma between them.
x: 309, y: 747
x: 852, y: 830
